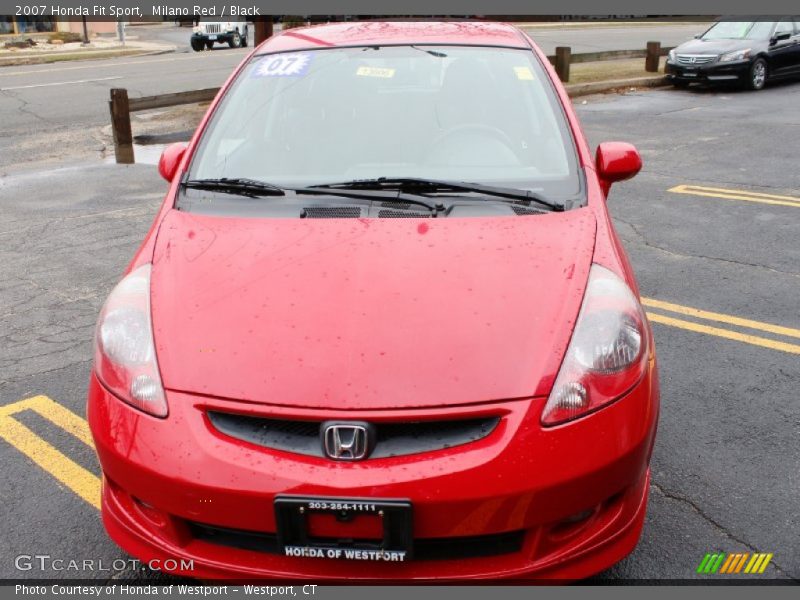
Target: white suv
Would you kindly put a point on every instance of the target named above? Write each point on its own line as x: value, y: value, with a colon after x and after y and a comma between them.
x: 207, y: 33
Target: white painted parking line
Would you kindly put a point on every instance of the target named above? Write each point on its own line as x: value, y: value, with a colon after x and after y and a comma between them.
x: 38, y: 85
x: 116, y: 63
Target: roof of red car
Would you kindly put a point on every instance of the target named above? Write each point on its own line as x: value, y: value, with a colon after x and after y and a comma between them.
x: 366, y: 33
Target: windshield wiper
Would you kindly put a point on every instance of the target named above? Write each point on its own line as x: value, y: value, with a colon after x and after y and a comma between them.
x: 254, y: 188
x: 238, y: 185
x: 398, y: 190
x: 420, y: 185
x: 429, y: 51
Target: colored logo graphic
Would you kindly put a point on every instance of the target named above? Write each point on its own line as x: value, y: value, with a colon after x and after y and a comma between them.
x: 722, y: 563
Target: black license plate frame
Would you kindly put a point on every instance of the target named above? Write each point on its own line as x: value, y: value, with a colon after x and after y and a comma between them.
x: 291, y: 513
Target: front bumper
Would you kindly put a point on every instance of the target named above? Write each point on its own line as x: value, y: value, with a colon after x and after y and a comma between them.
x: 212, y: 37
x: 713, y: 73
x: 166, y: 479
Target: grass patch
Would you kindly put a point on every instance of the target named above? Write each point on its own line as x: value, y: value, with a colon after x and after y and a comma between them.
x: 66, y: 36
x: 590, y: 72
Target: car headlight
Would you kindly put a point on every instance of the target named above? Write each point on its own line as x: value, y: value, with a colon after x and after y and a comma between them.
x: 198, y: 29
x: 125, y: 355
x: 608, y: 352
x: 736, y: 55
x: 672, y: 56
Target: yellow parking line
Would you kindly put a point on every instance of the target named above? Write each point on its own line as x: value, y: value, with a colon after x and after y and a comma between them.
x: 724, y: 333
x: 53, y: 412
x: 730, y: 194
x: 83, y: 483
x: 10, y: 409
x: 720, y: 317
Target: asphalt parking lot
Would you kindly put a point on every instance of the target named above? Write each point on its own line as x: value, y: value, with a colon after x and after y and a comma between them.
x: 712, y: 227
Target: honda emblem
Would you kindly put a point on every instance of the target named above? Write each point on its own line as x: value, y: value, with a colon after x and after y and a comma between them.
x: 347, y: 440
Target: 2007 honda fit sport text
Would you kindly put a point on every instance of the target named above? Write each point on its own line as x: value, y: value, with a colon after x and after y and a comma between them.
x: 382, y: 327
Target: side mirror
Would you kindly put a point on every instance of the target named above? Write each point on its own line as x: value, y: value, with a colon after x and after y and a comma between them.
x: 697, y: 36
x: 170, y: 159
x: 779, y: 37
x: 616, y: 161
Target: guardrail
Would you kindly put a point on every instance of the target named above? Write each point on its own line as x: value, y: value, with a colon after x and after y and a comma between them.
x: 563, y: 57
x: 121, y: 106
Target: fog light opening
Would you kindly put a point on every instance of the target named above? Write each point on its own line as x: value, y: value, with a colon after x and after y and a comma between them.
x: 142, y: 503
x: 578, y: 517
x: 149, y: 512
x: 572, y: 524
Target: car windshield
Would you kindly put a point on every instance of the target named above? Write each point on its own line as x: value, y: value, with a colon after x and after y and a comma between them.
x: 477, y: 114
x: 739, y: 30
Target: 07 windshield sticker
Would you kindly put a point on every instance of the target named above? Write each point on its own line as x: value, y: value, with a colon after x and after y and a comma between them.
x: 284, y: 65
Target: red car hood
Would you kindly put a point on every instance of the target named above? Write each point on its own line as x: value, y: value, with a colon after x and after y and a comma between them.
x: 367, y: 313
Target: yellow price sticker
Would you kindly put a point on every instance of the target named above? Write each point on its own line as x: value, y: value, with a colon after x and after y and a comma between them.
x: 375, y: 72
x: 523, y: 73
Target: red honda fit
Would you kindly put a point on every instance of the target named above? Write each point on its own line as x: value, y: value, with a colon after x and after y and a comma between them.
x: 382, y: 326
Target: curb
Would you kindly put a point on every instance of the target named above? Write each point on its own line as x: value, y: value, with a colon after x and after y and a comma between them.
x: 159, y: 52
x: 20, y: 61
x: 596, y: 87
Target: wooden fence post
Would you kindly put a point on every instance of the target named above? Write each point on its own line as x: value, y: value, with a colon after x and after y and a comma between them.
x: 652, y: 58
x: 121, y: 126
x: 263, y: 29
x: 563, y: 58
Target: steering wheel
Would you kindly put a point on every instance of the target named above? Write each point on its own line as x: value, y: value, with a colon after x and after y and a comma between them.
x: 465, y: 130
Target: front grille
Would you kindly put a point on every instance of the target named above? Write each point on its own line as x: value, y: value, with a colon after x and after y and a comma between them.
x: 331, y: 212
x: 392, y: 439
x: 213, y: 28
x: 696, y: 59
x: 454, y: 548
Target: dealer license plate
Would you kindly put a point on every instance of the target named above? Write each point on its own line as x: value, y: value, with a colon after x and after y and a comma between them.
x: 212, y: 37
x: 392, y: 543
